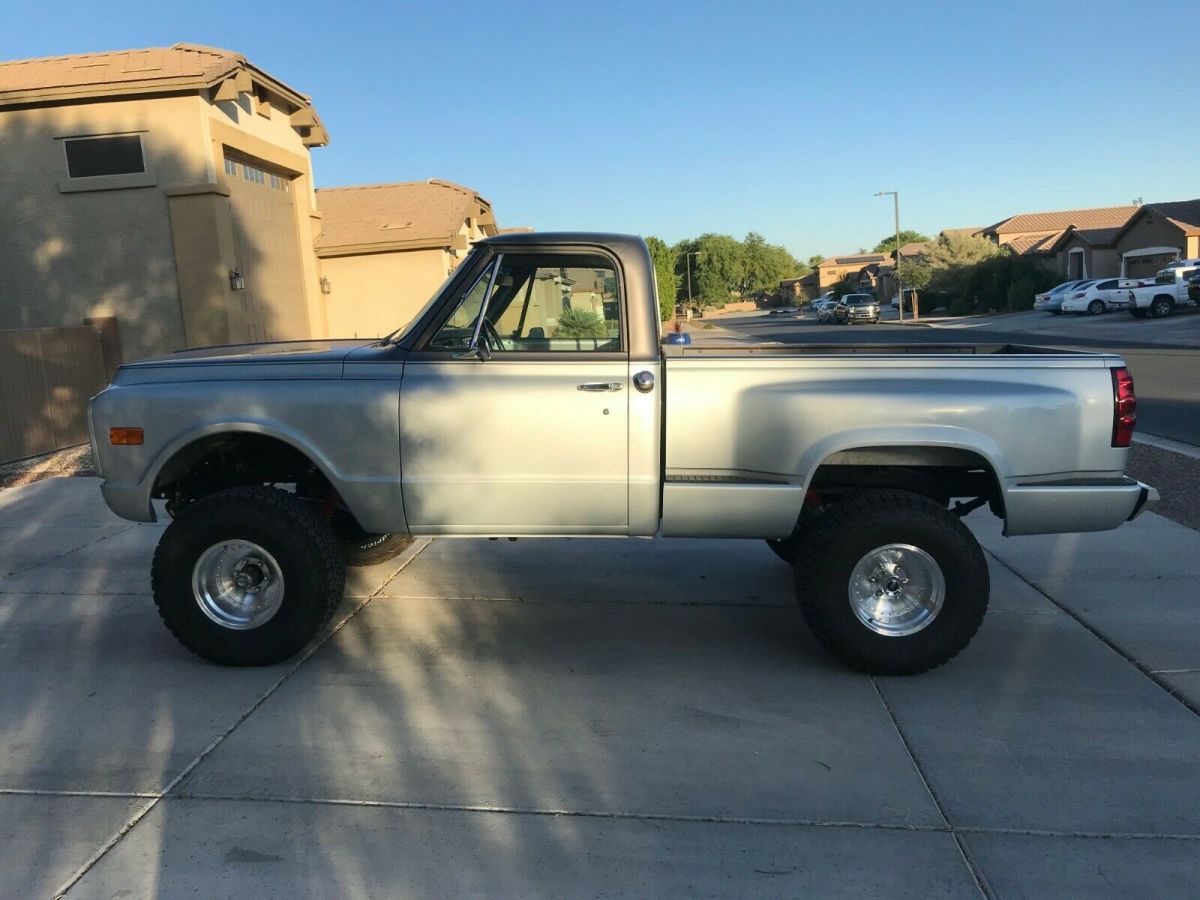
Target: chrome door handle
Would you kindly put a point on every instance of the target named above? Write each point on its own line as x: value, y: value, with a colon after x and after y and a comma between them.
x: 601, y: 386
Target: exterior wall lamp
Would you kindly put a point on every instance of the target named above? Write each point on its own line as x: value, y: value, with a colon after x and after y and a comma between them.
x: 237, y: 281
x: 326, y: 288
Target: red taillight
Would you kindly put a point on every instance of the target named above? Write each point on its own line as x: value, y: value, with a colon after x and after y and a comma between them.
x: 1124, y: 408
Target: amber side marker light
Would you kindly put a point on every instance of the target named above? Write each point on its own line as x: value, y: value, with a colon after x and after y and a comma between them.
x: 127, y: 437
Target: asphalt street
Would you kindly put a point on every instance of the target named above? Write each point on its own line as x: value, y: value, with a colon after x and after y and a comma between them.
x: 1163, y: 355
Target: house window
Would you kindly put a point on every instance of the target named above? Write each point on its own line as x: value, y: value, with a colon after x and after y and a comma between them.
x: 118, y: 155
x: 230, y: 167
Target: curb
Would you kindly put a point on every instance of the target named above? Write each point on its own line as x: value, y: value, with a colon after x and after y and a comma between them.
x: 1171, y: 446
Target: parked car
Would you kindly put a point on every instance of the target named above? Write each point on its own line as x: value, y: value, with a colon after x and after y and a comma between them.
x: 1169, y: 290
x: 1194, y: 289
x: 1095, y: 297
x: 279, y: 464
x: 1051, y: 301
x: 908, y: 300
x: 824, y: 308
x: 856, y: 308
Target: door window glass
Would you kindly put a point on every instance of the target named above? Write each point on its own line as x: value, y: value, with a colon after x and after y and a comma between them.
x: 556, y: 303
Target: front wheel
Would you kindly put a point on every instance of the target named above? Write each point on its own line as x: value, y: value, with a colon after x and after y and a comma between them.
x: 891, y: 583
x: 362, y: 549
x: 247, y: 576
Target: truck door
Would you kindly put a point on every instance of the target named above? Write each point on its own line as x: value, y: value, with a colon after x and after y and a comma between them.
x: 514, y: 412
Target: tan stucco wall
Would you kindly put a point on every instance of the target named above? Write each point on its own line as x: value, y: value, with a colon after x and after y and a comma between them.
x: 68, y: 256
x: 1150, y: 230
x: 374, y: 294
x: 154, y: 257
x: 1100, y: 262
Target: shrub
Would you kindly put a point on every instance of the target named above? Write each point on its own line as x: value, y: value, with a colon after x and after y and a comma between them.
x: 580, y: 323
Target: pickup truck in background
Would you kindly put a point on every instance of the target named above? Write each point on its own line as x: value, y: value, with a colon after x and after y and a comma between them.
x: 1167, y: 292
x: 532, y: 397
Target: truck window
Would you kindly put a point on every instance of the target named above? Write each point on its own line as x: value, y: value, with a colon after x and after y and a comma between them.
x: 457, y: 330
x: 557, y: 303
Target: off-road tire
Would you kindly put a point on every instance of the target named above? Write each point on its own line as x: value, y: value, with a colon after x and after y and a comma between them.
x: 848, y: 530
x: 372, y: 549
x: 287, y: 527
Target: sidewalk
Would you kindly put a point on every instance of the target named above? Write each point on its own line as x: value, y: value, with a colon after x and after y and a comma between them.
x: 587, y: 717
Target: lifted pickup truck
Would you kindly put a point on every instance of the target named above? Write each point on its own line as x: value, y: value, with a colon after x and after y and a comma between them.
x: 532, y: 397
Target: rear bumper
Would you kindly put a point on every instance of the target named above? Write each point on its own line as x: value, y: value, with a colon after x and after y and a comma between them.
x: 1075, y: 506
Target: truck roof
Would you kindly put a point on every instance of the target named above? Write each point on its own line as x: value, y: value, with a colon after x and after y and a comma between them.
x: 604, y: 239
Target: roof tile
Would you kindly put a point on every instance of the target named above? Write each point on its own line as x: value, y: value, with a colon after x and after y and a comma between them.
x: 406, y: 212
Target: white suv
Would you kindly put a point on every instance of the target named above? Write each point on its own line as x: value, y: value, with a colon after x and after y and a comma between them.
x: 1096, y: 297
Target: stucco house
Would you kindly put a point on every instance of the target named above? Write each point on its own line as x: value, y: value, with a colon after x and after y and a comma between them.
x: 833, y: 269
x: 1071, y: 240
x: 385, y: 248
x: 169, y: 187
x: 1154, y: 235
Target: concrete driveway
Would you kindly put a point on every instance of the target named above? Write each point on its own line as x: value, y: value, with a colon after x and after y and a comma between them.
x: 582, y: 718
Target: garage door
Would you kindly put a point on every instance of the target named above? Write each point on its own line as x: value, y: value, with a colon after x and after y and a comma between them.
x: 271, y: 307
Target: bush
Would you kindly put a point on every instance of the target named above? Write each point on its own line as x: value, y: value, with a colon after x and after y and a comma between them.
x: 580, y: 323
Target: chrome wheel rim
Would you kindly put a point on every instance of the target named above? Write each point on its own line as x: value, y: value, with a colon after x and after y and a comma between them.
x: 238, y: 584
x: 897, y: 590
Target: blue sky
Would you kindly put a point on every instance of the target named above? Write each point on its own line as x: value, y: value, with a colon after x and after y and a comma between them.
x: 679, y: 118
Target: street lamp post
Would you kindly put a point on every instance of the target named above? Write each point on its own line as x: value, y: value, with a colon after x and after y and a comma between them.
x: 895, y: 195
x: 688, y: 261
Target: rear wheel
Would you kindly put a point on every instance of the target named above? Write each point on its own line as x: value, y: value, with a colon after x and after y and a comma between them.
x: 1095, y: 307
x: 891, y: 583
x: 1161, y: 307
x: 247, y: 576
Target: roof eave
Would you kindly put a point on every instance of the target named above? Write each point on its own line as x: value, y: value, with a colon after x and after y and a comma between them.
x: 331, y: 250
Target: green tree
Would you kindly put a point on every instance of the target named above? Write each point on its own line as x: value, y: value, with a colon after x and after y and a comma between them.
x: 765, y: 265
x: 664, y: 259
x: 580, y: 323
x: 718, y: 269
x: 816, y: 260
x: 907, y: 236
x: 915, y: 275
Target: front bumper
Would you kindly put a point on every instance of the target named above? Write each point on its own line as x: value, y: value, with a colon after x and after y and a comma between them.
x: 1074, y: 506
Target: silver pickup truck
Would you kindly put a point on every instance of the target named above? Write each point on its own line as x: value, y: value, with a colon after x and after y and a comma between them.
x: 532, y: 397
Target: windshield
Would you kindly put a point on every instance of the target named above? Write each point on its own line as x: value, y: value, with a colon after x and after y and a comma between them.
x: 858, y: 299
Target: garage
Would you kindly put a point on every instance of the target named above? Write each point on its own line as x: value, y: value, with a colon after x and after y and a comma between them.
x: 269, y: 274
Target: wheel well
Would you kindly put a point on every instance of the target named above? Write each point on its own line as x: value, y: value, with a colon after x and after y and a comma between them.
x: 232, y: 459
x: 939, y: 473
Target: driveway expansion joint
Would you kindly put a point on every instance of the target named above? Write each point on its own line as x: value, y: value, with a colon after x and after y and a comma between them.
x: 964, y: 851
x: 1152, y: 674
x: 156, y: 797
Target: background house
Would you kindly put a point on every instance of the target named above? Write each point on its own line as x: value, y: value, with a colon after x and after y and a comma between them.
x: 832, y: 270
x: 1156, y: 234
x: 169, y: 188
x: 1044, y: 235
x: 385, y: 248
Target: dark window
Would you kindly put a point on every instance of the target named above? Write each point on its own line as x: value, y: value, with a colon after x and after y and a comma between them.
x: 88, y: 157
